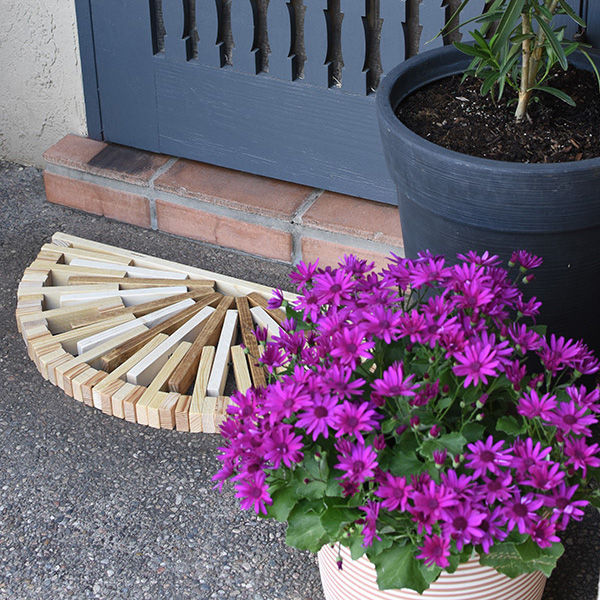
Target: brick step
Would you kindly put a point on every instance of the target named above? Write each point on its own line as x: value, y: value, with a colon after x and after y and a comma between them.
x: 257, y: 215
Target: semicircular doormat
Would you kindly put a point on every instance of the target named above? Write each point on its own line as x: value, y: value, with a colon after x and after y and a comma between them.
x: 141, y: 338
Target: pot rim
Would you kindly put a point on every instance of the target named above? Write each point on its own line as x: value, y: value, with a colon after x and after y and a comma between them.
x: 388, y: 90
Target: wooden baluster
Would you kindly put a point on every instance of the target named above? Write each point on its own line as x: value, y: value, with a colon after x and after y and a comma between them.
x: 280, y: 35
x: 176, y: 46
x: 354, y: 47
x: 392, y: 44
x: 242, y: 30
x: 207, y: 22
x: 432, y: 20
x: 316, y: 71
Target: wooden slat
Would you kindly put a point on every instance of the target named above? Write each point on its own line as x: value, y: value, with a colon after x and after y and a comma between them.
x: 60, y: 274
x: 132, y: 283
x: 69, y: 254
x: 257, y: 299
x: 166, y: 411
x: 121, y: 353
x: 51, y: 294
x: 247, y: 328
x: 182, y: 421
x: 200, y: 385
x: 128, y: 393
x: 220, y: 368
x: 129, y: 297
x: 184, y: 374
x: 130, y: 271
x: 243, y: 381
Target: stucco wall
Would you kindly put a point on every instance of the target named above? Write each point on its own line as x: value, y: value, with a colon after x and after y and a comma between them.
x: 41, y: 92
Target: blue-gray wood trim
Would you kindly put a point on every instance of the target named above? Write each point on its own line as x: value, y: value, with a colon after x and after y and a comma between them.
x: 320, y: 137
x: 125, y: 70
x: 88, y: 69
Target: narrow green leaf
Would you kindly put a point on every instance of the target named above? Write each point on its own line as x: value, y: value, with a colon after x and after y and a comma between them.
x: 569, y: 11
x: 509, y: 20
x: 593, y: 65
x: 554, y: 42
x: 471, y: 50
x: 554, y: 92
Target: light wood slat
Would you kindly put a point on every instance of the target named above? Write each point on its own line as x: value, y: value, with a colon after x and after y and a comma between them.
x: 59, y: 274
x: 92, y: 357
x: 130, y: 271
x: 220, y: 368
x: 262, y: 319
x: 68, y: 254
x: 148, y: 368
x: 247, y: 329
x: 166, y: 411
x: 200, y: 385
x: 182, y: 421
x: 122, y: 353
x: 164, y: 399
x: 102, y: 397
x: 243, y: 381
x: 150, y: 320
x: 51, y: 294
x: 224, y: 283
x: 140, y: 309
x: 129, y: 297
x: 131, y: 283
x: 125, y: 393
x: 159, y: 382
x: 183, y: 376
x: 258, y: 300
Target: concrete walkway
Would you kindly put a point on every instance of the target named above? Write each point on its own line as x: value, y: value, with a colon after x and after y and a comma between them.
x: 94, y: 507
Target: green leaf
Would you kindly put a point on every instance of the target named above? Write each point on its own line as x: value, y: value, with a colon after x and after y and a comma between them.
x: 471, y: 50
x: 510, y: 425
x: 514, y: 560
x: 404, y: 464
x: 569, y: 11
x: 398, y: 568
x: 473, y: 432
x: 335, y: 518
x: 284, y: 500
x: 453, y: 442
x: 554, y: 92
x: 510, y: 17
x: 553, y: 41
x: 305, y: 530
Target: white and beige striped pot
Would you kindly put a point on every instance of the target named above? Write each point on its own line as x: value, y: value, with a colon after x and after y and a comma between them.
x: 471, y: 581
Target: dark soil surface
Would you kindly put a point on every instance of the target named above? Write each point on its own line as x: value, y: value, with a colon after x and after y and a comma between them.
x: 454, y: 115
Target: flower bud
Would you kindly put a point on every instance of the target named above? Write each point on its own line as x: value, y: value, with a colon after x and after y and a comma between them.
x: 480, y: 417
x: 481, y: 402
x: 400, y: 430
x: 445, y: 389
x: 379, y: 442
x: 439, y: 457
x: 415, y: 422
x: 434, y: 431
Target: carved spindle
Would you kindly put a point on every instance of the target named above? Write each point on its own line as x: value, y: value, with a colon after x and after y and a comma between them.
x: 176, y: 26
x: 242, y: 30
x: 207, y: 22
x: 315, y: 43
x: 157, y: 26
x: 392, y: 43
x: 354, y: 47
x: 280, y: 39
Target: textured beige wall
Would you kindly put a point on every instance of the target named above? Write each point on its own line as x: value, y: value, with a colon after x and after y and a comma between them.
x: 41, y: 92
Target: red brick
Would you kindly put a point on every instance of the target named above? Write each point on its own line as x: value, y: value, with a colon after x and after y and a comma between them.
x: 330, y: 253
x: 98, y: 199
x: 241, y: 191
x: 223, y: 231
x: 354, y: 216
x: 107, y: 160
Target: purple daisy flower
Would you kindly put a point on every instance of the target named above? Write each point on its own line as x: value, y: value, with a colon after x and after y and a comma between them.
x: 303, y: 274
x: 254, y: 493
x: 282, y: 445
x: 492, y: 528
x: 435, y: 551
x: 563, y: 505
x: 545, y: 476
x: 461, y: 523
x: 395, y: 492
x: 349, y: 346
x: 525, y: 259
x: 351, y: 419
x: 319, y: 416
x: 521, y: 511
x: 526, y: 455
x: 477, y: 361
x: 569, y: 418
x: 394, y: 383
x: 532, y: 405
x: 488, y: 456
x: 370, y: 527
x: 580, y: 455
x: 358, y: 464
x: 333, y: 287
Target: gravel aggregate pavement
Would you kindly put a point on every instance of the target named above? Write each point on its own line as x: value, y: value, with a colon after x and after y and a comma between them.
x: 95, y: 507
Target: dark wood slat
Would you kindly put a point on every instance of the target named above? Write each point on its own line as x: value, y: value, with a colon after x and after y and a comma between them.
x: 247, y: 327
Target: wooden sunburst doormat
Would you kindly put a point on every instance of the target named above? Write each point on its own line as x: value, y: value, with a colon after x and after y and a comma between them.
x: 141, y: 338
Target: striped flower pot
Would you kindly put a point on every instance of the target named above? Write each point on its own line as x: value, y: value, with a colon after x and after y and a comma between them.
x: 471, y: 581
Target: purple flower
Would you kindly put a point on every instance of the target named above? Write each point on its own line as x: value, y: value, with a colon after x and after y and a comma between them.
x: 461, y: 523
x: 282, y: 401
x: 526, y: 455
x: 395, y: 492
x: 431, y: 499
x: 358, y: 464
x: 544, y: 476
x: 532, y: 405
x: 580, y: 455
x: 563, y: 505
x: 488, y: 456
x: 254, y: 493
x: 276, y: 299
x: 337, y: 379
x: 569, y: 418
x: 435, y: 551
x: 349, y: 346
x: 333, y: 288
x: 282, y: 445
x: 476, y: 363
x: 318, y: 416
x: 583, y: 398
x: 525, y: 259
x: 543, y: 533
x: 370, y: 528
x: 558, y: 353
x: 521, y: 511
x: 498, y: 489
x: 351, y: 419
x: 394, y: 383
x: 303, y: 274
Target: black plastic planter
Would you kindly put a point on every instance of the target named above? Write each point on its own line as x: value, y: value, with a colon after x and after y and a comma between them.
x: 450, y: 202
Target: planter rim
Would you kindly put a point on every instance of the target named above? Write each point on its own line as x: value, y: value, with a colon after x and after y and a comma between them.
x: 389, y: 120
